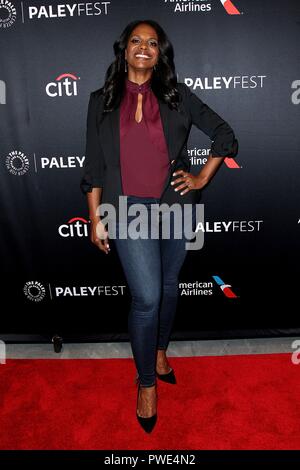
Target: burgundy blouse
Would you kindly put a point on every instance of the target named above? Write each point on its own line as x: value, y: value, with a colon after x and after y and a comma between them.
x: 144, y: 156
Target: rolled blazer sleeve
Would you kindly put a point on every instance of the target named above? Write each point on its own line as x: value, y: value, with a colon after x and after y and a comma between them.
x: 93, y: 174
x: 224, y: 142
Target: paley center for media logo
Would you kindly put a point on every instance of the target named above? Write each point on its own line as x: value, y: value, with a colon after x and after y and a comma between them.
x: 8, y: 14
x: 36, y: 291
x: 67, y: 10
x: 17, y: 163
x: 202, y: 6
x: 243, y: 82
x: 36, y: 11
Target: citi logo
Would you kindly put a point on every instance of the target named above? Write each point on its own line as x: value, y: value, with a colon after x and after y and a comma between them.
x: 64, y: 85
x: 229, y: 7
x: 76, y: 227
x: 226, y: 288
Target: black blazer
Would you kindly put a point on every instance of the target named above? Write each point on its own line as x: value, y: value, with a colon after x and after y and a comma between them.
x: 102, y: 156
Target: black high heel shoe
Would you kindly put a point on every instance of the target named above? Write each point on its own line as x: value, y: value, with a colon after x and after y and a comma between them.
x: 169, y: 377
x: 146, y: 423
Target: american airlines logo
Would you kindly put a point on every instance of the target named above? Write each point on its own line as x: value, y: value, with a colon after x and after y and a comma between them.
x: 201, y: 6
x: 64, y: 85
x: 199, y: 156
x: 206, y: 288
x: 225, y: 288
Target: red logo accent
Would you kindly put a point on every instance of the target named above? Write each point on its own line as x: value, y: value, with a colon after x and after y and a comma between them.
x: 228, y: 292
x: 229, y: 7
x: 63, y: 75
x: 77, y: 218
x: 231, y: 163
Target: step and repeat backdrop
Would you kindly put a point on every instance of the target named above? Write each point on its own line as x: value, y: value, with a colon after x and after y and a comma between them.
x: 239, y: 57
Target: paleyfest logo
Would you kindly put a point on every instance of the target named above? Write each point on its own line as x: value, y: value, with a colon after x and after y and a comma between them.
x: 8, y: 14
x: 34, y: 291
x: 17, y: 163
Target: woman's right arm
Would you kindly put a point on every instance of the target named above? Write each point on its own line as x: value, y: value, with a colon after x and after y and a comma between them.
x: 93, y: 177
x: 98, y: 234
x: 93, y: 200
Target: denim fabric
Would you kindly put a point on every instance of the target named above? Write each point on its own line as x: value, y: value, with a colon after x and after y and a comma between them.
x: 151, y: 267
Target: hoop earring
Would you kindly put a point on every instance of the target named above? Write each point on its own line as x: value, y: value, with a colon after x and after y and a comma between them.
x: 154, y: 67
x: 125, y: 66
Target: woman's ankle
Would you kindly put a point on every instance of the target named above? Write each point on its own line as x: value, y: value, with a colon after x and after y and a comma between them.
x: 162, y: 363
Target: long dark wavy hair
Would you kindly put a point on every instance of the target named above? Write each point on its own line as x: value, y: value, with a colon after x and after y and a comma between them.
x: 163, y: 80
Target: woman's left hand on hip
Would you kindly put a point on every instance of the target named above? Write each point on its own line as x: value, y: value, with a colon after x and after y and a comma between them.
x: 188, y: 181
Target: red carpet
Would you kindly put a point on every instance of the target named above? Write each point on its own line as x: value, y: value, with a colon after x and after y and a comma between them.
x: 230, y: 402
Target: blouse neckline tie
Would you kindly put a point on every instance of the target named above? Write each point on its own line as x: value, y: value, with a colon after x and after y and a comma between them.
x: 136, y: 88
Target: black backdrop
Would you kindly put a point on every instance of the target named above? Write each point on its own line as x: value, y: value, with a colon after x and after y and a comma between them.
x: 245, y: 66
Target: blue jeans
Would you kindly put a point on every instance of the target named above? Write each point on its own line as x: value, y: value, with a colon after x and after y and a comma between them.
x: 151, y: 267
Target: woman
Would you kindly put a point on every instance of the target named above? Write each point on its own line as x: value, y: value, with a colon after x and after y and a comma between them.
x: 138, y: 124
